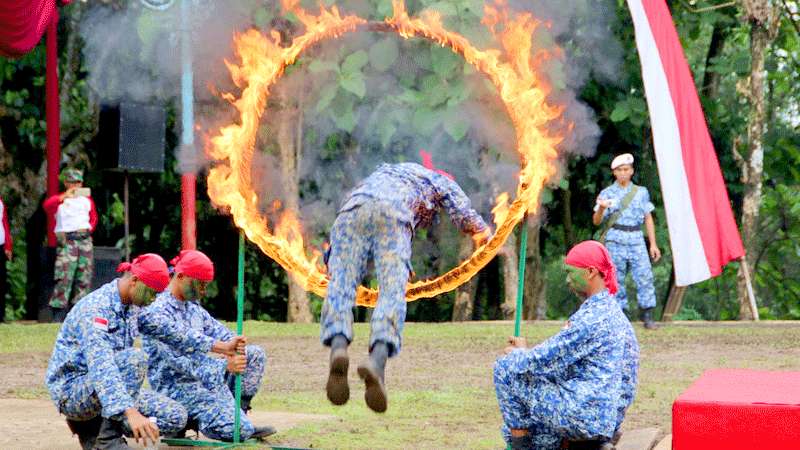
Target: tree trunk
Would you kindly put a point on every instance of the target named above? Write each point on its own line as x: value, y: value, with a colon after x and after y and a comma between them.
x: 535, y: 300
x: 290, y: 144
x: 711, y: 79
x: 465, y: 294
x: 509, y: 264
x: 566, y: 205
x: 762, y: 31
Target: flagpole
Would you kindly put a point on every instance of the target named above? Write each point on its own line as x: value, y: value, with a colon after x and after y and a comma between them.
x: 750, y: 293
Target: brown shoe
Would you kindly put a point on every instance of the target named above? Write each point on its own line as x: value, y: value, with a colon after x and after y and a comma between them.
x: 337, y: 388
x: 375, y: 393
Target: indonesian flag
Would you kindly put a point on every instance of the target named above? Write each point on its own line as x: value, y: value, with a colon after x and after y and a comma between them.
x: 702, y: 229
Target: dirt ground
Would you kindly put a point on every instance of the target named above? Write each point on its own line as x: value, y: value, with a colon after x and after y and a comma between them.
x: 433, y: 359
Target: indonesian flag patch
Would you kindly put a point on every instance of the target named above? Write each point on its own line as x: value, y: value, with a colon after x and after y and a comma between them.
x: 100, y: 323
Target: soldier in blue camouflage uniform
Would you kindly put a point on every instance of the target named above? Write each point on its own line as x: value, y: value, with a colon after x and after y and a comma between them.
x: 95, y: 375
x: 577, y: 385
x: 625, y: 240
x: 377, y: 221
x: 203, y: 385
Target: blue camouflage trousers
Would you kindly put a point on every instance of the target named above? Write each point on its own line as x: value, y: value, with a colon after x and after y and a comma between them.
x: 633, y: 257
x: 368, y: 231
x: 79, y: 401
x: 526, y: 404
x: 214, y: 408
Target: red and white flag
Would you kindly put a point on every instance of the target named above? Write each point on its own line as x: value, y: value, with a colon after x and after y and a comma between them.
x: 702, y: 229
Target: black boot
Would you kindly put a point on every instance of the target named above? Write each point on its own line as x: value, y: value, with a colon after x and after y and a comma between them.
x: 521, y: 442
x: 86, y: 430
x: 245, y: 404
x: 110, y: 436
x: 262, y: 432
x: 371, y: 372
x: 647, y: 318
x: 337, y: 388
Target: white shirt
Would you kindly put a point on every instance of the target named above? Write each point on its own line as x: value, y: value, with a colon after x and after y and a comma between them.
x: 73, y: 215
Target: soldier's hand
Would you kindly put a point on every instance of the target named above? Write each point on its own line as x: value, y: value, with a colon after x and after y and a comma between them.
x: 141, y: 427
x: 517, y: 342
x: 9, y: 255
x: 236, y: 363
x: 655, y: 253
x: 235, y: 345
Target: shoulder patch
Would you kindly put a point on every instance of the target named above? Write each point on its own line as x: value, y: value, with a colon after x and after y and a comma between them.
x: 100, y: 323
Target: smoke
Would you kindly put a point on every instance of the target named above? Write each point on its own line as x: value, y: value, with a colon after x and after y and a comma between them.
x: 338, y: 138
x: 133, y: 54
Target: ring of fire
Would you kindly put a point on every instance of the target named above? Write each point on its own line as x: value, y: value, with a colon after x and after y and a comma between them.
x: 514, y: 70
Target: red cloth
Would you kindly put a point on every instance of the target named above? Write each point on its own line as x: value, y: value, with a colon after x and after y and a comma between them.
x: 427, y: 162
x: 150, y: 268
x: 194, y: 264
x: 50, y: 207
x: 9, y: 244
x: 594, y: 254
x: 738, y: 409
x: 22, y: 24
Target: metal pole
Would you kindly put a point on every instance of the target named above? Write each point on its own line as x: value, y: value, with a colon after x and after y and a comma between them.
x: 523, y: 248
x: 239, y: 328
x: 188, y: 179
x: 125, y: 191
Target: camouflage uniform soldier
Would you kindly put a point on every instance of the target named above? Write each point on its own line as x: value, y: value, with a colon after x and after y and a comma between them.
x: 624, y: 239
x: 75, y: 219
x: 203, y: 385
x: 577, y: 385
x: 377, y: 222
x: 95, y: 374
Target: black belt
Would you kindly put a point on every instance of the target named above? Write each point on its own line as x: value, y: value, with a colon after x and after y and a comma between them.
x: 626, y: 227
x: 76, y: 235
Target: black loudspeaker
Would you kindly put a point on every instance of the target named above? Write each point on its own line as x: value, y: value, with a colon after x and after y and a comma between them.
x: 132, y: 137
x: 106, y: 260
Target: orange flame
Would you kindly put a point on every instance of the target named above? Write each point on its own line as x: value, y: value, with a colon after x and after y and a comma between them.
x: 512, y: 69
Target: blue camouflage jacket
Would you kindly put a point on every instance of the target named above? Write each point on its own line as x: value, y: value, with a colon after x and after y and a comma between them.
x: 416, y: 194
x: 98, y: 326
x: 633, y: 215
x: 591, y: 367
x: 168, y: 365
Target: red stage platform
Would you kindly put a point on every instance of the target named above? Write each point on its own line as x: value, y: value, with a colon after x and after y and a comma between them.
x: 738, y: 409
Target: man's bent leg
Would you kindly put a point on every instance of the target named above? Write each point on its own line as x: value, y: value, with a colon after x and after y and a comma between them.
x: 252, y: 376
x: 170, y: 415
x: 132, y: 366
x: 78, y: 401
x: 213, y: 410
x: 508, y: 389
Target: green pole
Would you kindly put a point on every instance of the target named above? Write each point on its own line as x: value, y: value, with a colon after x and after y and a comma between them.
x: 523, y: 247
x: 239, y: 319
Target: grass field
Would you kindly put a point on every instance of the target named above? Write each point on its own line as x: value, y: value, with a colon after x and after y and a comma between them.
x: 440, y: 387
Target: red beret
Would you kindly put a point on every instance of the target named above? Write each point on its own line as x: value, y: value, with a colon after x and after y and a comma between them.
x: 194, y: 264
x: 150, y: 268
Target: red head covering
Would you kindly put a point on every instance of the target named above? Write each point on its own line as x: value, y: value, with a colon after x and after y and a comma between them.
x: 194, y: 264
x: 427, y: 162
x: 150, y: 268
x: 594, y: 254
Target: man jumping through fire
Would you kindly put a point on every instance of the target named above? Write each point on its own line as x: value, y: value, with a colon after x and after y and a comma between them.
x: 572, y: 390
x: 377, y: 221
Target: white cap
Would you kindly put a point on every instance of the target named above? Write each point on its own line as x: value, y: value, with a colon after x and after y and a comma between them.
x: 621, y: 160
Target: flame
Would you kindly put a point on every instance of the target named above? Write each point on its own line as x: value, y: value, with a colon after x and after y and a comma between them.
x: 512, y: 68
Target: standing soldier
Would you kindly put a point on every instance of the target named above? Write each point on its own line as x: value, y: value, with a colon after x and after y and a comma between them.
x: 75, y: 219
x: 622, y: 208
x: 377, y: 221
x: 203, y: 385
x: 5, y: 255
x: 95, y: 374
